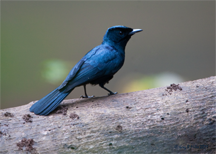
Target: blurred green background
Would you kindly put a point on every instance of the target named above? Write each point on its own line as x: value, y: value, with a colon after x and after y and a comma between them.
x: 42, y: 41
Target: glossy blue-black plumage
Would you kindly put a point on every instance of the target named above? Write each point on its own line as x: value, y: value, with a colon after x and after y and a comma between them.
x: 97, y: 67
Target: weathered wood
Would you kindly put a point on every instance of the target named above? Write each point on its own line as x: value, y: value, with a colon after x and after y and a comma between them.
x: 149, y: 121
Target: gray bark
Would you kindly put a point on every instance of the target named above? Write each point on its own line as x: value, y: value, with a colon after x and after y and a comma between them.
x: 160, y: 120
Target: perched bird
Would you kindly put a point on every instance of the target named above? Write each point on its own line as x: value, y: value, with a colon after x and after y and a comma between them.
x: 97, y: 67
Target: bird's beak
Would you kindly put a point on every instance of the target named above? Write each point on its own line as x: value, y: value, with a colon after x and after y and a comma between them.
x: 135, y: 31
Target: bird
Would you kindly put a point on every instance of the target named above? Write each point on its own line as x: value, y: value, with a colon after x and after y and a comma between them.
x: 97, y: 67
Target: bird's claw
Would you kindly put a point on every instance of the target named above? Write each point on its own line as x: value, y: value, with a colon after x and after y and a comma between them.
x: 87, y: 96
x: 112, y: 93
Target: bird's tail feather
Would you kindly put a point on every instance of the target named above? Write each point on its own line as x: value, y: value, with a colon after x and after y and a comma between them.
x: 49, y: 103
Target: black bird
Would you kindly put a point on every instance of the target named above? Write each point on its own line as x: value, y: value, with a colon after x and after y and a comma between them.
x: 97, y: 67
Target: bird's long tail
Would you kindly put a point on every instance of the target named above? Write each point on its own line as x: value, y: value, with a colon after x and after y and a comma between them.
x: 49, y: 103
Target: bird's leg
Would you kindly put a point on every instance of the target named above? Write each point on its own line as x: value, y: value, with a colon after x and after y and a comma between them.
x: 110, y: 92
x: 86, y: 96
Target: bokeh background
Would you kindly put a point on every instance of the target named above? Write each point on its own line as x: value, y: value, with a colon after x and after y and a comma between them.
x: 42, y: 40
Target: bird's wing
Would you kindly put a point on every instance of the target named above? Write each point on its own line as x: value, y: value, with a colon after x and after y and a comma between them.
x: 77, y: 67
x: 93, y: 65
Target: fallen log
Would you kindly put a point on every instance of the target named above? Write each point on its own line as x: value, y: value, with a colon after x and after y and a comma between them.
x: 175, y: 119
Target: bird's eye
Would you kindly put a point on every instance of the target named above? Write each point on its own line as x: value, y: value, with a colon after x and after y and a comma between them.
x: 120, y: 32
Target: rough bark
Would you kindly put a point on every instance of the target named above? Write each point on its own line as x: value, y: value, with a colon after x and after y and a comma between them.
x: 175, y: 119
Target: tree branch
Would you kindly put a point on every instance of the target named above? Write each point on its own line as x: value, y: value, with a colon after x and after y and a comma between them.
x: 175, y: 119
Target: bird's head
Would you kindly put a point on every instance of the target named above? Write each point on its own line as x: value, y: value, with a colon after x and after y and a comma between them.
x: 119, y: 35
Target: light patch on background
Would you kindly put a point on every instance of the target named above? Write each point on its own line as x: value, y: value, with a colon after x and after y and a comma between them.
x: 137, y: 82
x: 55, y: 71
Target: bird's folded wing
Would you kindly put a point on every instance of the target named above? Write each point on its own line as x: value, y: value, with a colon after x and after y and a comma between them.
x: 97, y: 63
x: 86, y: 74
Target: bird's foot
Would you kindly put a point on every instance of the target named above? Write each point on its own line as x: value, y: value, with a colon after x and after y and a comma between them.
x: 87, y: 96
x: 112, y: 93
